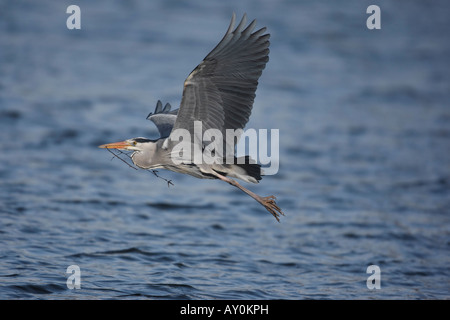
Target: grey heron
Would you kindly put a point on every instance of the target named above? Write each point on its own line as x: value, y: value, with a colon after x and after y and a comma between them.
x: 218, y: 93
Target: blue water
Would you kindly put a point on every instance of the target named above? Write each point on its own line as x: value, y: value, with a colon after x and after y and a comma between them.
x: 364, y: 177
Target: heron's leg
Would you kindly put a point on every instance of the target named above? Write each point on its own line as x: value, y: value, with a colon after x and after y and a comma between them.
x: 268, y: 202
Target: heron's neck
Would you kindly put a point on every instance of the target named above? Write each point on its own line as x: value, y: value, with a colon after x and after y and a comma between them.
x: 146, y: 157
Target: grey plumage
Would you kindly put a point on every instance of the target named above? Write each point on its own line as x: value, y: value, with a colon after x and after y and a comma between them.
x: 164, y: 119
x: 220, y: 91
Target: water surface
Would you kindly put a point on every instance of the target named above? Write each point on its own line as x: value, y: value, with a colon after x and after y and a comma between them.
x: 364, y: 163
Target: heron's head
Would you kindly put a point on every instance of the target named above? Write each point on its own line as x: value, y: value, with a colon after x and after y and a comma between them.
x: 135, y: 144
x: 143, y: 150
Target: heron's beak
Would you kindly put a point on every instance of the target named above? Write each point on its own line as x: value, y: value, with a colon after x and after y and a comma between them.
x: 116, y: 145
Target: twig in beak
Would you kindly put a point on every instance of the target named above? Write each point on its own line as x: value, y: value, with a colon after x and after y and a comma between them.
x: 169, y: 182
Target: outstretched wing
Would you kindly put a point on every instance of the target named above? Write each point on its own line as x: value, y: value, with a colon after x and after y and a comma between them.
x: 164, y: 119
x: 220, y: 91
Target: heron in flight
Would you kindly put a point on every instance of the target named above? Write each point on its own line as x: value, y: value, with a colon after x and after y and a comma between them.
x: 218, y: 94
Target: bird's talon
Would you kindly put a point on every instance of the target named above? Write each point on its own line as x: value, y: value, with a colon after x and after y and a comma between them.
x: 271, y: 206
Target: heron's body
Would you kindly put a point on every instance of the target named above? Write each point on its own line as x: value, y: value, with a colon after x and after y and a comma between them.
x: 218, y: 93
x: 158, y: 155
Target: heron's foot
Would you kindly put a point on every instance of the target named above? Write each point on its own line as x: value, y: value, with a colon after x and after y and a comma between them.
x: 271, y: 206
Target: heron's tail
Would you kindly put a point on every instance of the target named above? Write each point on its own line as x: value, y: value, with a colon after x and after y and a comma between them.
x: 246, y: 169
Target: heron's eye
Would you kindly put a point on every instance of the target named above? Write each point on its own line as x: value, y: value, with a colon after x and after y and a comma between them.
x: 134, y: 143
